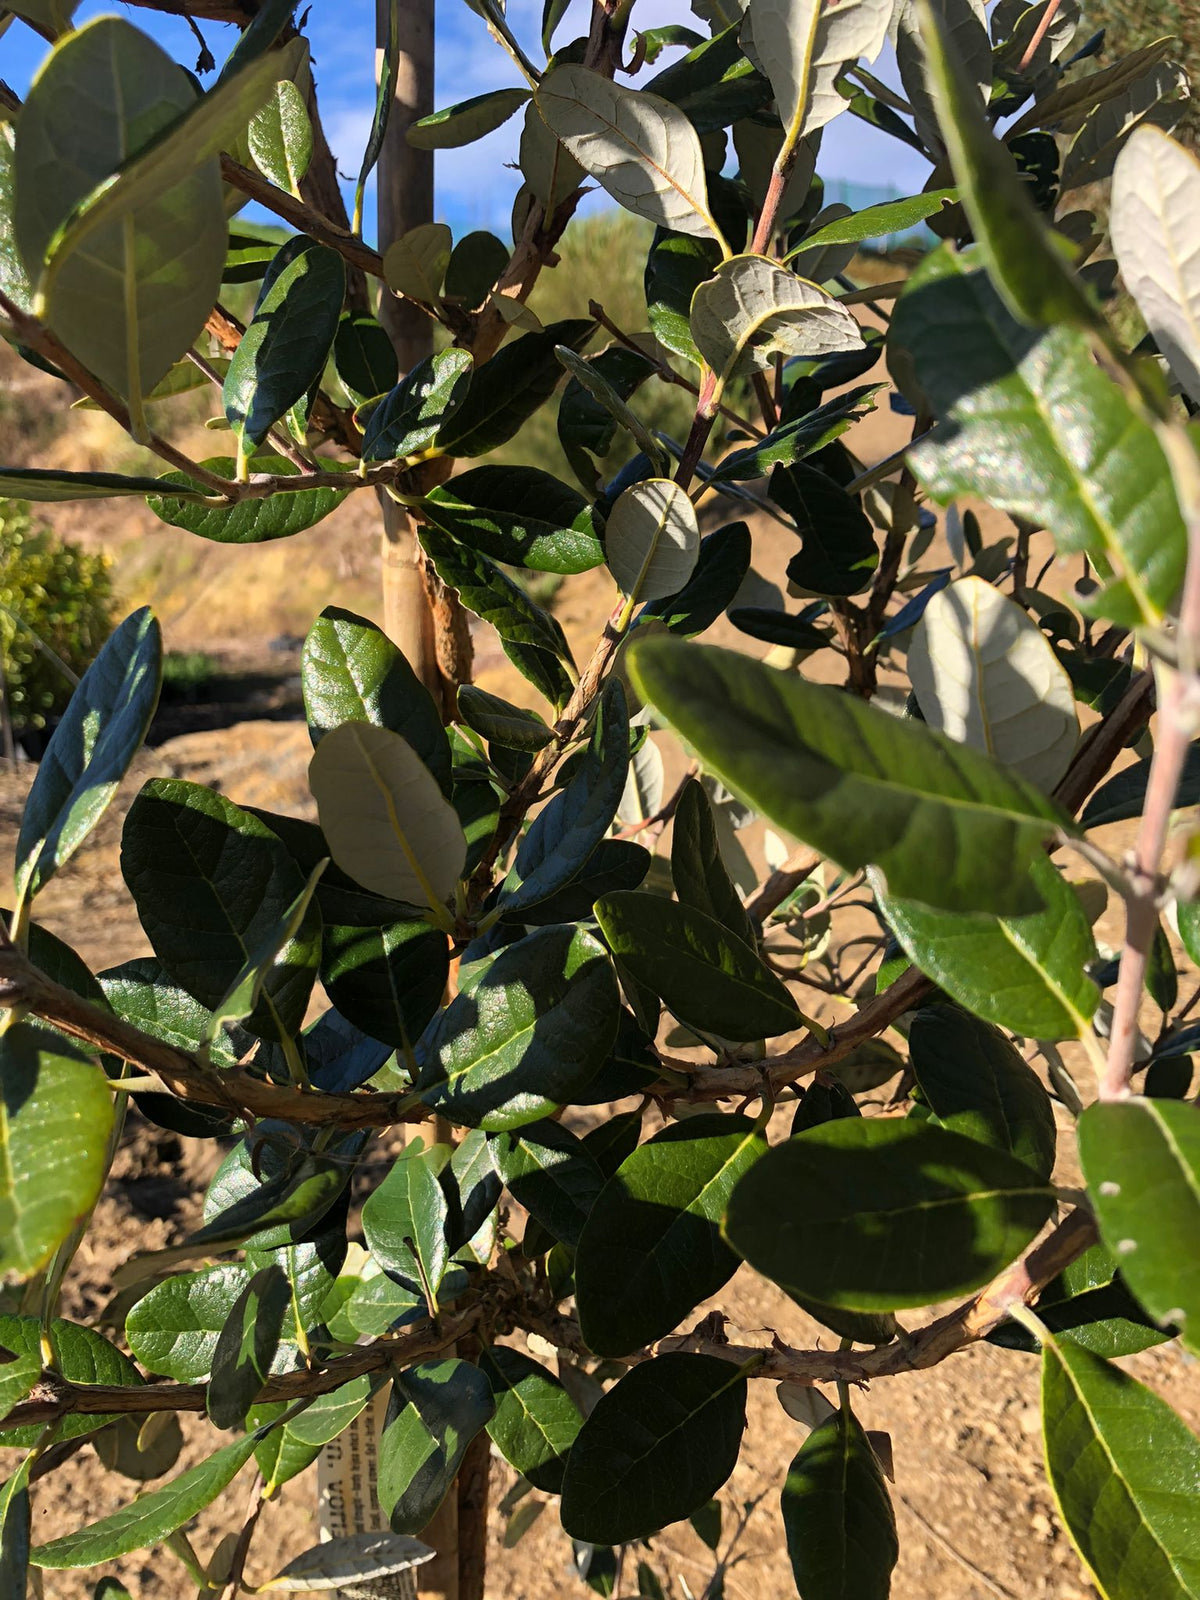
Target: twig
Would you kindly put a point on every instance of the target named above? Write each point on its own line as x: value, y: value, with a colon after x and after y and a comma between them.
x: 969, y: 1322
x: 29, y: 331
x: 953, y: 1551
x: 774, y: 891
x: 303, y: 218
x: 54, y: 1397
x: 1039, y: 33
x: 1179, y: 703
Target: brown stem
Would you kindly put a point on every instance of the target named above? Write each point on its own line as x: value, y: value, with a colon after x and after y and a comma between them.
x: 775, y: 890
x: 1039, y: 33
x: 1178, y: 700
x: 702, y: 423
x: 969, y: 1322
x: 54, y: 1397
x: 302, y: 217
x: 1104, y: 741
x: 764, y: 230
x: 29, y: 331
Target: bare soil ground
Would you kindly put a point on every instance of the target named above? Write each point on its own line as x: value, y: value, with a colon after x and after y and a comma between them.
x: 975, y: 1514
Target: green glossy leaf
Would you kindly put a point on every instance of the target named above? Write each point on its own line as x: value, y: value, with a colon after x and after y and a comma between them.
x: 364, y: 357
x: 1022, y: 259
x: 137, y: 274
x: 719, y: 573
x: 388, y: 824
x: 639, y: 147
x: 508, y: 389
x: 405, y: 1219
x: 1031, y: 424
x: 594, y: 405
x: 490, y: 594
x: 839, y: 1522
x: 714, y: 84
x: 876, y: 222
x: 838, y: 554
x: 280, y: 137
x: 41, y: 483
x: 501, y: 722
x: 975, y: 1082
x: 535, y: 1421
x: 675, y: 267
x: 141, y: 992
x: 1090, y: 1304
x: 568, y: 830
x: 90, y: 750
x: 854, y: 782
x: 351, y: 671
x: 518, y: 515
x: 406, y: 420
x: 246, y: 1347
x: 793, y: 440
x: 81, y: 1356
x: 1141, y: 1159
x: 15, y: 1526
x: 387, y: 978
x: 287, y: 343
x: 242, y: 998
x: 211, y: 882
x: 278, y: 516
x: 528, y: 1036
x: 467, y: 121
x: 551, y: 1173
x: 287, y: 1450
x: 436, y: 1409
x: 1124, y: 795
x: 651, y: 1248
x: 874, y: 1215
x: 707, y: 976
x: 1027, y: 974
x: 697, y: 871
x: 152, y: 1516
x: 56, y: 1114
x: 475, y: 266
x: 379, y: 1303
x: 655, y: 1449
x: 614, y: 864
x: 1125, y: 1471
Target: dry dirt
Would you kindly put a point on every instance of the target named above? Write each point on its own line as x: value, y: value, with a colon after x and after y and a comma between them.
x: 975, y: 1514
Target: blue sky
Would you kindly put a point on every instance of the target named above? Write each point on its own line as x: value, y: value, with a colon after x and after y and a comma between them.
x: 473, y: 189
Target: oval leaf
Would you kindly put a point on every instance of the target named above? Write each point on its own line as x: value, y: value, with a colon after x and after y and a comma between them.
x: 90, y: 750
x: 388, y: 825
x: 874, y: 1215
x: 1141, y: 1159
x: 852, y: 781
x: 985, y: 674
x: 707, y: 976
x: 651, y: 1248
x: 753, y: 310
x: 652, y: 540
x: 1027, y: 974
x: 655, y: 1449
x: 839, y: 1522
x: 640, y: 148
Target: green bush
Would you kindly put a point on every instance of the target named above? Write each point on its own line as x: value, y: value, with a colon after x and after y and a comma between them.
x: 56, y: 610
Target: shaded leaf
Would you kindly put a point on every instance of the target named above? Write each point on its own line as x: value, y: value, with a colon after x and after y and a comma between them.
x: 655, y: 1449
x: 874, y: 1215
x: 528, y: 1036
x: 839, y: 1522
x: 652, y: 540
x: 436, y: 1409
x: 535, y: 1421
x: 651, y: 1248
x: 551, y: 1173
x: 90, y: 750
x: 709, y: 977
